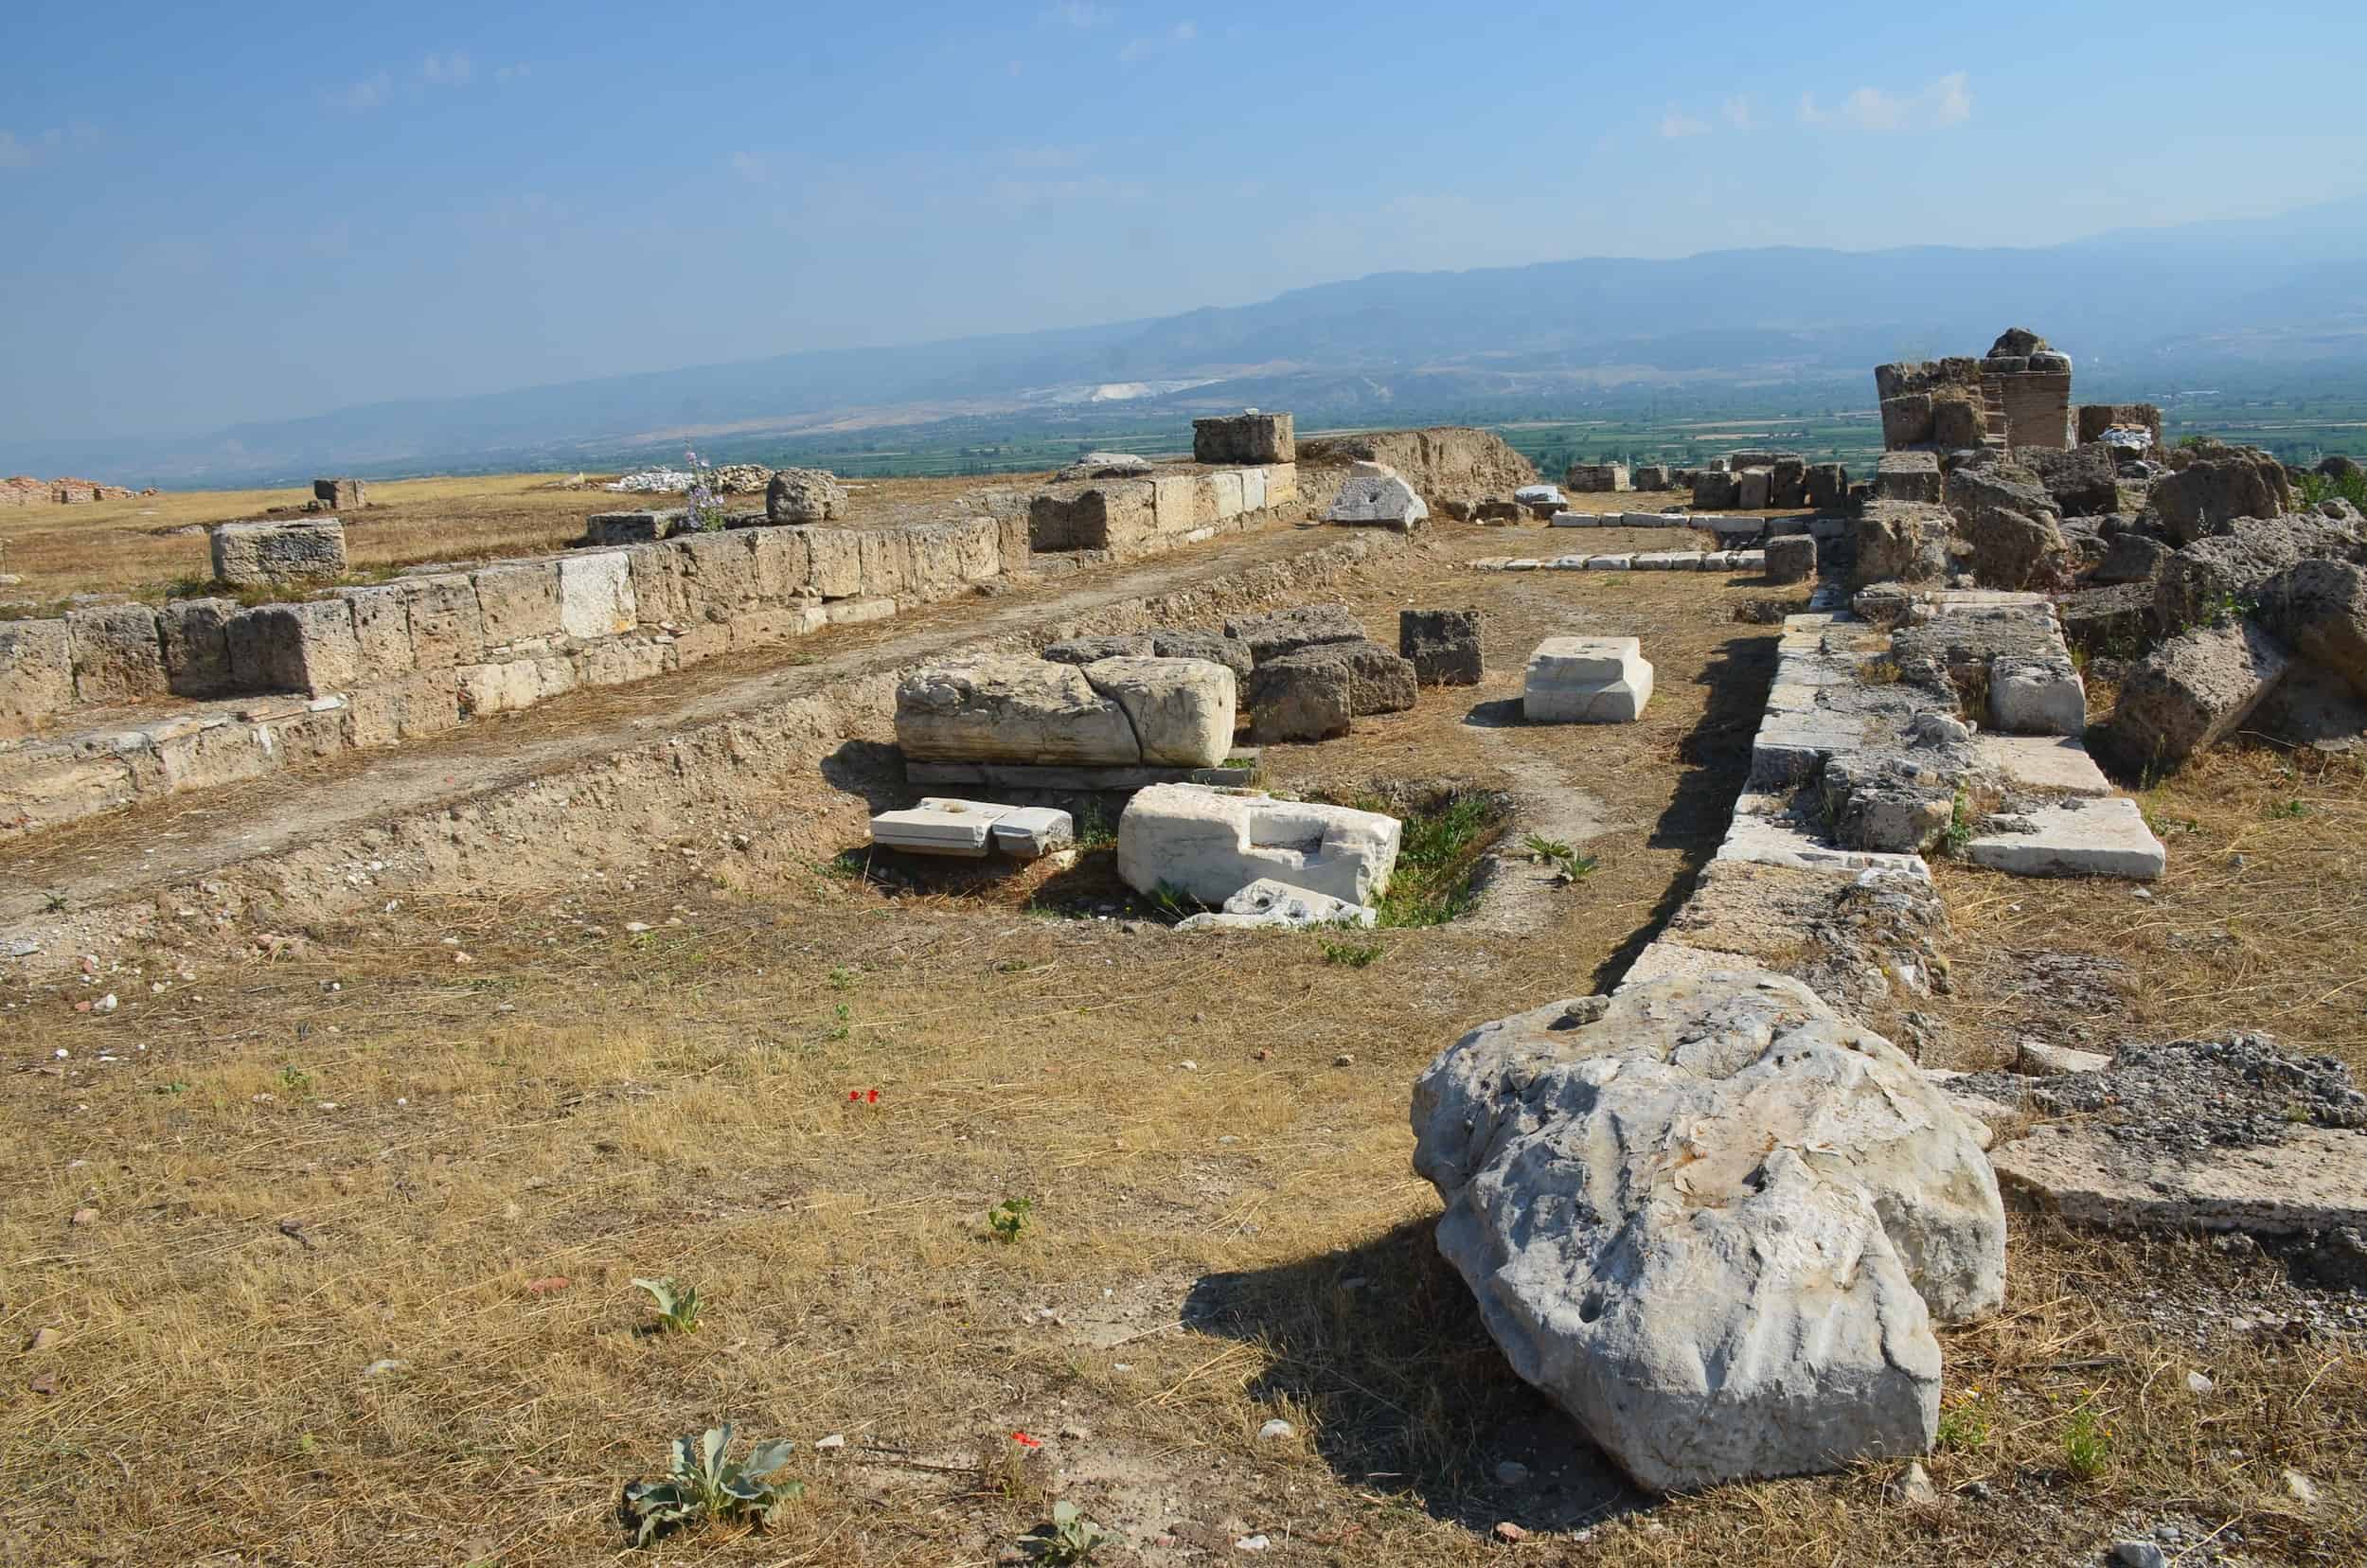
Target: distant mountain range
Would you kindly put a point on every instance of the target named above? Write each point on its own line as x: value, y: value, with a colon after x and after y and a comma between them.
x: 2128, y: 306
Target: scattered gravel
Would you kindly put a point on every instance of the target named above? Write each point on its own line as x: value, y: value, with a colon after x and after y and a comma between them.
x: 2194, y: 1095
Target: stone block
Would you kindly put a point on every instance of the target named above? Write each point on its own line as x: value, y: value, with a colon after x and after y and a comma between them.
x: 783, y: 560
x: 1442, y: 645
x: 1107, y: 514
x: 2093, y: 419
x: 50, y: 783
x: 518, y: 603
x: 340, y: 493
x: 1378, y: 494
x: 765, y: 628
x: 381, y: 630
x: 36, y: 674
x: 1282, y: 484
x: 119, y: 653
x: 1788, y: 482
x: 1208, y: 843
x: 618, y: 661
x: 633, y: 528
x: 1031, y: 832
x: 1586, y: 681
x: 1292, y: 697
x: 2036, y: 696
x: 939, y: 826
x: 2192, y: 691
x: 1282, y: 631
x: 1225, y: 494
x: 1007, y: 709
x: 888, y: 567
x: 595, y: 596
x: 2072, y: 838
x: 1245, y: 439
x: 937, y: 563
x: 408, y: 708
x: 1716, y: 490
x: 1827, y: 485
x: 1379, y: 680
x: 1907, y: 421
x: 2214, y: 490
x: 1252, y: 490
x: 1652, y: 476
x: 2319, y: 607
x: 855, y: 612
x: 502, y: 686
x: 249, y: 555
x: 1754, y: 490
x: 1791, y: 558
x: 1014, y: 545
x: 1182, y: 502
x: 1908, y: 476
x: 977, y: 545
x: 1269, y: 906
x: 2040, y: 764
x: 309, y: 648
x: 204, y: 756
x: 718, y: 575
x: 447, y: 629
x: 1182, y: 710
x: 195, y: 634
x: 804, y: 495
x: 1159, y: 642
x: 837, y: 561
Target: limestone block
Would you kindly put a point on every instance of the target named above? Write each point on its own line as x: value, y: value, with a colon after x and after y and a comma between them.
x: 309, y: 648
x: 977, y: 543
x: 504, y: 685
x: 1107, y: 514
x: 409, y: 707
x: 1754, y: 490
x: 518, y: 601
x: 1252, y: 490
x: 1157, y: 642
x: 1014, y: 547
x: 2036, y: 697
x: 1245, y: 439
x: 36, y: 673
x: 633, y: 528
x: 718, y: 575
x: 888, y: 568
x: 197, y: 645
x: 2072, y: 838
x: 1712, y: 1220
x: 855, y: 612
x: 939, y: 826
x: 765, y: 628
x: 1379, y: 680
x: 1376, y: 493
x: 595, y: 596
x: 49, y: 783
x: 2320, y: 608
x: 618, y: 661
x: 447, y: 629
x: 1283, y: 632
x: 1008, y: 709
x: 119, y: 653
x: 1269, y: 906
x: 837, y: 561
x: 1791, y: 558
x: 1282, y: 484
x: 2314, y: 1179
x: 1442, y: 645
x: 204, y: 756
x: 340, y: 493
x: 1182, y: 710
x: 1586, y: 681
x: 1031, y: 832
x: 2192, y: 692
x: 248, y: 555
x: 2042, y: 764
x: 1292, y: 697
x: 936, y: 562
x: 1182, y: 502
x: 1906, y: 420
x: 1208, y: 843
x: 1224, y: 487
x: 804, y: 495
x: 381, y: 630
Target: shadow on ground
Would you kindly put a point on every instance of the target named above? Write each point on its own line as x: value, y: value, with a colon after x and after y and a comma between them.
x: 1716, y: 755
x: 1382, y: 1344
x: 875, y: 771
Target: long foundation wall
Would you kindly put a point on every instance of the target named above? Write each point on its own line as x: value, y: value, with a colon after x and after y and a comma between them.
x: 422, y: 655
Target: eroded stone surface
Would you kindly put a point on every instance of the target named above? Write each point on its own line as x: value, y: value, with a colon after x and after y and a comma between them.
x: 1714, y: 1222
x: 1208, y: 843
x: 249, y: 555
x: 1011, y: 710
x: 1270, y: 906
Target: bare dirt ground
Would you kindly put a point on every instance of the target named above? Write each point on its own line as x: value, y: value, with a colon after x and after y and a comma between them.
x: 332, y: 1236
x: 152, y: 546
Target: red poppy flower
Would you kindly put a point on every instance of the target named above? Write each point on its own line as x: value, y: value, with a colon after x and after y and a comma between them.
x: 873, y: 1096
x: 1025, y: 1442
x: 854, y: 1093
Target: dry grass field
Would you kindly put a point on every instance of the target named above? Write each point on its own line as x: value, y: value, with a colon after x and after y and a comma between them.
x: 323, y: 1255
x: 149, y: 546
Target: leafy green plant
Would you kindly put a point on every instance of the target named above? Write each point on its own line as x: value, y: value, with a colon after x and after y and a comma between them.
x: 1959, y: 831
x: 1439, y: 846
x: 843, y: 978
x: 53, y: 903
x: 1172, y: 903
x: 294, y: 1080
x: 678, y: 1306
x: 1008, y: 1218
x: 2311, y: 488
x: 1965, y: 1425
x: 1070, y: 1538
x: 1351, y: 954
x: 1094, y: 830
x: 2087, y: 1443
x: 704, y: 1485
x: 1561, y: 857
x: 2288, y: 811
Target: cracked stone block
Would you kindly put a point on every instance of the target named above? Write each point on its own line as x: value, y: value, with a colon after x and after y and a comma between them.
x: 381, y: 630
x: 1182, y: 710
x: 1586, y: 681
x: 2192, y: 692
x: 518, y: 603
x: 197, y: 645
x: 2045, y: 764
x: 1376, y: 493
x: 249, y: 555
x: 633, y: 528
x: 2036, y: 697
x: 1790, y: 559
x: 309, y: 648
x: 1296, y: 698
x: 2073, y: 838
x: 36, y: 673
x: 1245, y: 439
x: 447, y: 629
x: 596, y: 591
x: 1111, y: 514
x: 1014, y: 710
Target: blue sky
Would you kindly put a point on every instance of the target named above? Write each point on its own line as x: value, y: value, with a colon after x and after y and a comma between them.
x: 211, y: 213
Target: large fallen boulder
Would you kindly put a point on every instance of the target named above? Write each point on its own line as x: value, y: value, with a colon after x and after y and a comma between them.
x: 1712, y: 1220
x: 2320, y: 608
x: 1114, y: 713
x: 1375, y: 492
x: 2083, y: 480
x: 804, y: 495
x: 1269, y: 636
x: 1208, y: 843
x: 2210, y: 579
x: 1902, y: 542
x: 2217, y: 487
x: 2191, y: 693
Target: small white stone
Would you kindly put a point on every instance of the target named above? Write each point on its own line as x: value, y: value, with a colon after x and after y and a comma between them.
x: 2198, y: 1384
x: 1252, y: 1544
x: 835, y: 1440
x: 1277, y: 1429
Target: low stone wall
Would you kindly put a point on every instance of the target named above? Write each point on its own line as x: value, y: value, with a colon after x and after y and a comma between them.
x: 1182, y: 505
x: 420, y: 655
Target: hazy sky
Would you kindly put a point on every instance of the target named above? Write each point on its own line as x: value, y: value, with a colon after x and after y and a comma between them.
x: 215, y: 212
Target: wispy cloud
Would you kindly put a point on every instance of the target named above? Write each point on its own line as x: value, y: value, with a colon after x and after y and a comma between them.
x: 1678, y: 123
x: 371, y: 92
x: 1081, y: 13
x: 14, y: 153
x: 1945, y: 102
x: 751, y: 166
x: 447, y: 70
x: 1738, y: 113
x: 1151, y: 44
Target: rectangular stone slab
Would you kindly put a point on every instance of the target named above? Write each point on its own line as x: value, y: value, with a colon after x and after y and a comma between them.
x: 2095, y: 838
x: 2314, y: 1180
x: 940, y: 825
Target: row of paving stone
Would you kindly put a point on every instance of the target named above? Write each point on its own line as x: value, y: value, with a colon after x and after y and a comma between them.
x: 422, y: 655
x: 1645, y: 561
